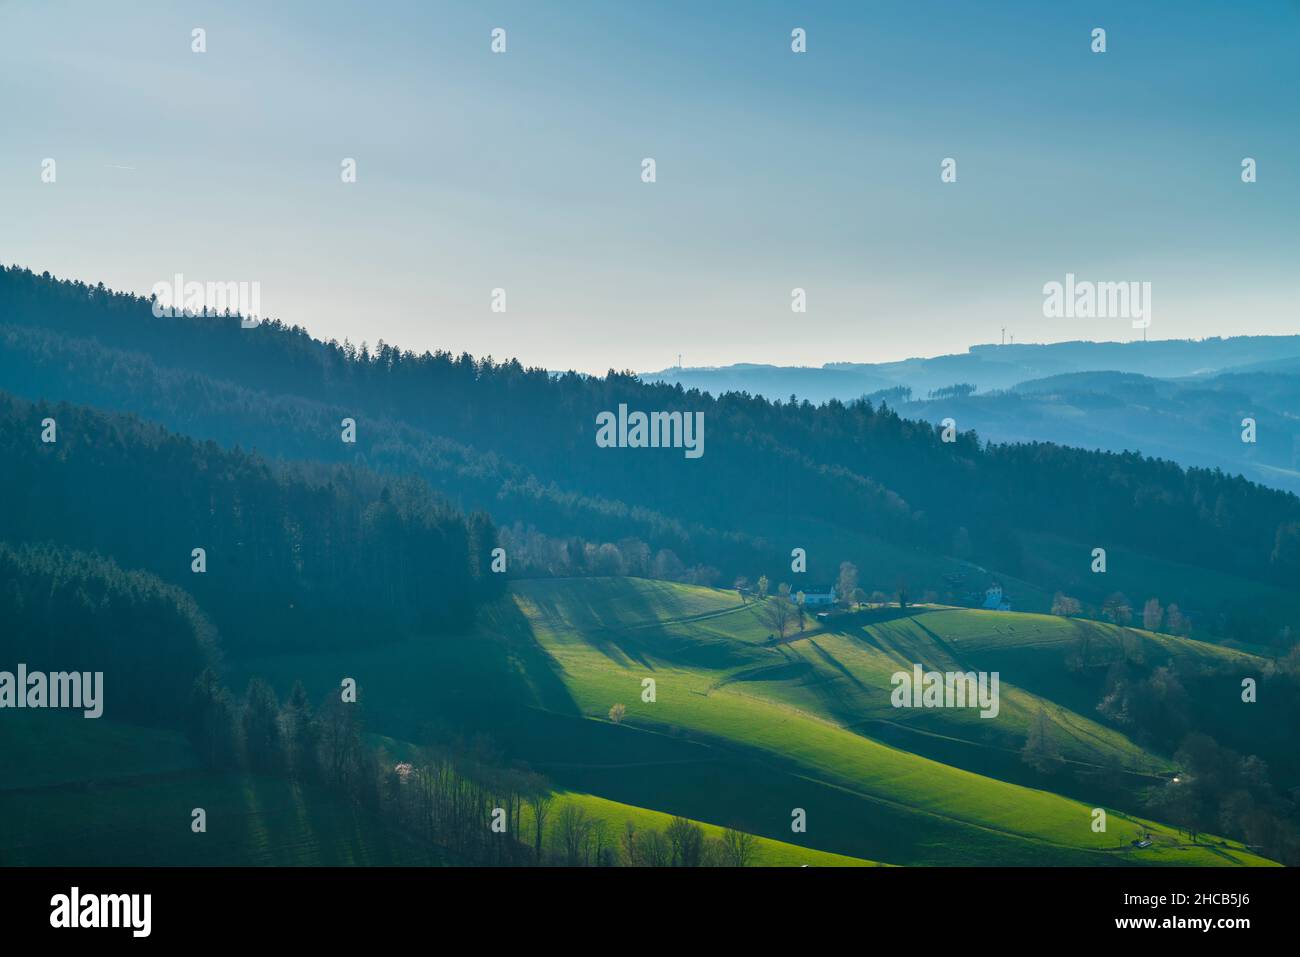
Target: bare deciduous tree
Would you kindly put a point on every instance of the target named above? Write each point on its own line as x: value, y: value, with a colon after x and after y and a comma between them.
x: 1117, y: 608
x: 1065, y: 606
x: 1041, y: 751
x: 652, y: 849
x: 1152, y: 615
x: 686, y: 839
x: 847, y: 583
x: 739, y: 848
x: 540, y: 803
x: 631, y: 845
x: 777, y: 611
x: 573, y: 831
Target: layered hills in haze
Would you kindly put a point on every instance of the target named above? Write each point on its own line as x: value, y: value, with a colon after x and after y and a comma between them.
x: 265, y: 510
x: 1182, y: 400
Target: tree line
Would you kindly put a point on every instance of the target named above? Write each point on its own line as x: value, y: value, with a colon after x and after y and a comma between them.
x: 857, y: 464
x: 555, y: 529
x: 458, y: 795
x: 1234, y: 758
x: 278, y: 556
x: 67, y: 611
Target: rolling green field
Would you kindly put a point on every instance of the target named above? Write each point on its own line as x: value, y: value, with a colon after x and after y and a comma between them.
x: 743, y: 731
x: 91, y: 793
x: 768, y: 853
x: 615, y: 815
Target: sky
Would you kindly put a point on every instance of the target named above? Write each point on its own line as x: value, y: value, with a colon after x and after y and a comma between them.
x: 775, y: 170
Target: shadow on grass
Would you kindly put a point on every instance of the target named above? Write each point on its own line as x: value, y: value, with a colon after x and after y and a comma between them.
x: 619, y: 618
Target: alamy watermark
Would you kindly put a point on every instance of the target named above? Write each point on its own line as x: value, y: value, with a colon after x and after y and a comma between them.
x: 1085, y: 299
x: 651, y: 430
x: 952, y: 689
x: 58, y: 689
x: 208, y: 299
x: 76, y: 909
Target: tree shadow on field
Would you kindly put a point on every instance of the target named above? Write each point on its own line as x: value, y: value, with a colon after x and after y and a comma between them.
x: 885, y: 640
x: 620, y: 619
x: 839, y: 666
x: 525, y: 672
x: 876, y: 616
x: 940, y: 642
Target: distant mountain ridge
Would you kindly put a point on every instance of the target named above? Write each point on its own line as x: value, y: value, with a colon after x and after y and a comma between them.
x: 989, y: 366
x: 1182, y: 400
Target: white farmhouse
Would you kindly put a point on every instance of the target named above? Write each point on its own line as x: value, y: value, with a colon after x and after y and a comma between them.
x: 815, y: 598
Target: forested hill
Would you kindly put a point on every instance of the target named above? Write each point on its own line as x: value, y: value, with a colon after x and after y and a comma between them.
x: 149, y: 639
x: 769, y: 469
x: 279, y: 557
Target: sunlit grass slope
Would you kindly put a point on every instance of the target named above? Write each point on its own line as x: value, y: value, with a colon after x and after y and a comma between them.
x: 793, y: 708
x: 767, y: 853
x: 614, y: 817
x: 743, y: 731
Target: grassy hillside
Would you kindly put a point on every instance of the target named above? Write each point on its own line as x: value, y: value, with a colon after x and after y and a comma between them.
x: 143, y: 785
x: 767, y: 853
x: 46, y: 749
x: 615, y: 815
x: 91, y: 793
x: 742, y: 731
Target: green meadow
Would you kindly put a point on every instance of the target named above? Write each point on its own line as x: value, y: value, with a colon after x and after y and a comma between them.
x: 767, y: 853
x: 743, y: 730
x: 93, y: 793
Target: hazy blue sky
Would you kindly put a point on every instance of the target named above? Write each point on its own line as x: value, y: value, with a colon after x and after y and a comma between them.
x: 775, y: 170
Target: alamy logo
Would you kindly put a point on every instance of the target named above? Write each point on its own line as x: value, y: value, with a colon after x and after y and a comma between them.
x: 952, y: 689
x: 58, y: 689
x: 654, y: 430
x: 181, y: 298
x: 1084, y: 299
x: 103, y: 910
